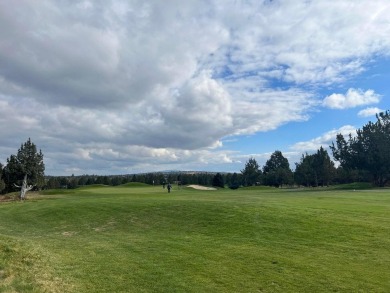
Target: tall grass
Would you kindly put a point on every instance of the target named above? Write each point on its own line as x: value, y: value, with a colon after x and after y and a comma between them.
x: 142, y: 239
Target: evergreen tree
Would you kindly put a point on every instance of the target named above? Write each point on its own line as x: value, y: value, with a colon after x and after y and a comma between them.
x: 368, y: 151
x: 234, y: 181
x: 251, y: 174
x: 53, y: 183
x: 2, y: 183
x: 315, y: 170
x: 73, y: 182
x: 324, y: 168
x: 28, y: 161
x: 304, y: 171
x: 218, y: 181
x: 276, y: 170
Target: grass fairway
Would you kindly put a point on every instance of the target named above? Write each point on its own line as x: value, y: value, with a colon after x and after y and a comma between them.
x: 142, y: 239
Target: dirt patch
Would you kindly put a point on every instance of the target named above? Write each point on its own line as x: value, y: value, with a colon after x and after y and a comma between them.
x: 68, y: 233
x: 105, y: 227
x: 200, y: 187
x: 9, y: 197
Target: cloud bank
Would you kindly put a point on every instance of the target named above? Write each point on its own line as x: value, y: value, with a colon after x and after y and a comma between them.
x: 114, y: 86
x: 324, y: 140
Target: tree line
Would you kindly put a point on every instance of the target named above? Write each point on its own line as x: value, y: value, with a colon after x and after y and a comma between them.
x: 364, y: 157
x: 313, y: 170
x: 155, y: 178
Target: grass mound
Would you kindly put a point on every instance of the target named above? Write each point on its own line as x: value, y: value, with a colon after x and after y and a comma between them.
x: 353, y: 186
x: 259, y: 188
x: 93, y: 186
x: 134, y: 184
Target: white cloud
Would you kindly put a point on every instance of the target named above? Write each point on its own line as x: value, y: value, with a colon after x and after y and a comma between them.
x: 98, y: 83
x: 312, y: 41
x: 353, y: 98
x: 324, y: 140
x: 368, y: 112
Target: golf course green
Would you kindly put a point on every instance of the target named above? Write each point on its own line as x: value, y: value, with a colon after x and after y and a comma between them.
x: 140, y: 238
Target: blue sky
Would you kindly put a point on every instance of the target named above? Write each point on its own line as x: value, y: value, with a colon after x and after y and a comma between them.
x: 116, y: 87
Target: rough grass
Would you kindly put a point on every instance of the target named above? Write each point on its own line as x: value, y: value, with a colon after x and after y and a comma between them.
x: 142, y: 239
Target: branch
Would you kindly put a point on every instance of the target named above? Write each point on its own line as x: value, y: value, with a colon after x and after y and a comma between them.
x: 28, y: 188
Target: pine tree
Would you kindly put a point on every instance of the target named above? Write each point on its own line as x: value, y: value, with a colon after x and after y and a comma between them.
x: 367, y: 152
x: 218, y: 181
x: 28, y: 161
x: 251, y: 174
x: 276, y: 170
x: 2, y: 183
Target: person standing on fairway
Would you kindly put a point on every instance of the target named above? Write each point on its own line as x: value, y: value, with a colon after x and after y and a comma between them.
x: 169, y: 187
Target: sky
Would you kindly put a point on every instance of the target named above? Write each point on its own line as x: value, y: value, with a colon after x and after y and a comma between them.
x: 122, y: 87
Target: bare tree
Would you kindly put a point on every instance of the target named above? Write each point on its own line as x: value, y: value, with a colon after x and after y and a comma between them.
x: 24, y: 188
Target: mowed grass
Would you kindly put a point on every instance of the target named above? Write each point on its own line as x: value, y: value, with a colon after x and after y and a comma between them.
x: 142, y: 239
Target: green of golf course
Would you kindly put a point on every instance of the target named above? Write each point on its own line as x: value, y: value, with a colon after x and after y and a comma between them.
x: 139, y: 238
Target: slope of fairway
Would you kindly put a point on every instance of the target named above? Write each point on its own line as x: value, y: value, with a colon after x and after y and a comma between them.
x: 142, y: 239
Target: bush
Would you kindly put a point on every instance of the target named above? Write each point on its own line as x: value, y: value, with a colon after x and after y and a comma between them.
x: 234, y: 186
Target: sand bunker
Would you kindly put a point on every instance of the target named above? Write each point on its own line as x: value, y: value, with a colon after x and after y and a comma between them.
x: 200, y: 187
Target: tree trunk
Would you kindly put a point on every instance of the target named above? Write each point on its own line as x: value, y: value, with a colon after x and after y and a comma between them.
x: 24, y: 188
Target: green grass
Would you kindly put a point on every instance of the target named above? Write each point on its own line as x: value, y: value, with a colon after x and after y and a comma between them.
x: 355, y: 185
x: 142, y: 239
